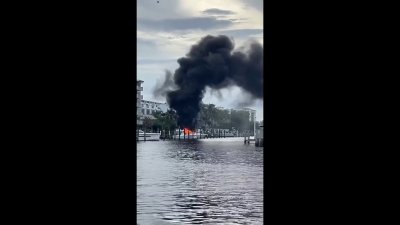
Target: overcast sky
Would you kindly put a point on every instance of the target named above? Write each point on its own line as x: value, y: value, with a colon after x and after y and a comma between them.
x: 166, y: 31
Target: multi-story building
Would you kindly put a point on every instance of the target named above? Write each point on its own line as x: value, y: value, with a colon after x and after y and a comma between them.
x: 252, y: 113
x: 139, y: 98
x: 150, y: 107
x: 252, y: 117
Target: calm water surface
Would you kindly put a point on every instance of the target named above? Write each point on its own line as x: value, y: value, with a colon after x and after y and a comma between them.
x: 211, y: 181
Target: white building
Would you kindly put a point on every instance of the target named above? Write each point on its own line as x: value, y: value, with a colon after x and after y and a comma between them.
x: 150, y: 107
x: 139, y: 98
x: 252, y: 113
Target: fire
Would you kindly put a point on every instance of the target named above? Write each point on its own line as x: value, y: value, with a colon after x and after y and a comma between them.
x: 187, y: 131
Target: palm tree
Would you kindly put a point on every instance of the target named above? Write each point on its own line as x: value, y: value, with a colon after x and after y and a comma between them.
x: 166, y: 121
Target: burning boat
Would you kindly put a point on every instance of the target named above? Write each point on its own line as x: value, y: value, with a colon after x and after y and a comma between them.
x: 188, y: 134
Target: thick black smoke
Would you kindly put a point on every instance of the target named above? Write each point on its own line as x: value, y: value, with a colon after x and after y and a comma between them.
x: 211, y: 63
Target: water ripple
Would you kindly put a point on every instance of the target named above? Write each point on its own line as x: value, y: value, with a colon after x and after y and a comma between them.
x: 199, y: 182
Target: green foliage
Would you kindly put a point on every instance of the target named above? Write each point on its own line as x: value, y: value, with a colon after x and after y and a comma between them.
x: 165, y: 121
x: 240, y: 120
x: 211, y: 117
x: 147, y: 124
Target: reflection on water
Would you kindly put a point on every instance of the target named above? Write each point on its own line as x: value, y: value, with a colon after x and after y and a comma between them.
x: 207, y: 181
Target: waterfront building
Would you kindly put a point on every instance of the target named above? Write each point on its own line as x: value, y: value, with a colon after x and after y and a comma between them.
x: 148, y: 108
x: 252, y: 113
x: 210, y: 121
x: 259, y: 136
x: 252, y: 117
x: 139, y: 98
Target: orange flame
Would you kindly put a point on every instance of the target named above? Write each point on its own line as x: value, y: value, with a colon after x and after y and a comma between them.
x: 187, y: 131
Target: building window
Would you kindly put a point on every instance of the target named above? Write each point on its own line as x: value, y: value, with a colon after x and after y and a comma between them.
x: 142, y: 111
x: 148, y: 111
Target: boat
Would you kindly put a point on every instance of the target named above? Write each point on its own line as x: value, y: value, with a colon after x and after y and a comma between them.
x: 186, y: 134
x: 229, y: 134
x: 148, y: 136
x: 221, y: 133
x: 190, y: 136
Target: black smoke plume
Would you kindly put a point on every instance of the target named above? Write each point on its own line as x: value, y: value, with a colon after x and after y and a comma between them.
x: 212, y: 63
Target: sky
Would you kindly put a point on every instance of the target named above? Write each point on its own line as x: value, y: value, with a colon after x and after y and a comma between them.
x: 166, y: 31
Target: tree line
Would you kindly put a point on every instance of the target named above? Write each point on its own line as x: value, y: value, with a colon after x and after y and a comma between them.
x: 209, y: 118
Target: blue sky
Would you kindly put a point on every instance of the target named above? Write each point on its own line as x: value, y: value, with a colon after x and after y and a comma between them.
x: 166, y: 31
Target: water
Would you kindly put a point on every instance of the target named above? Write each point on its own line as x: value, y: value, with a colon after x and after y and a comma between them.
x: 210, y: 181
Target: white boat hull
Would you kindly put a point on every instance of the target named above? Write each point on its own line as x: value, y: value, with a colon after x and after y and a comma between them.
x: 149, y: 136
x: 190, y: 136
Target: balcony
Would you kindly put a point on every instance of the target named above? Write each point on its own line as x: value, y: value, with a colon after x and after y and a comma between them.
x: 139, y: 88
